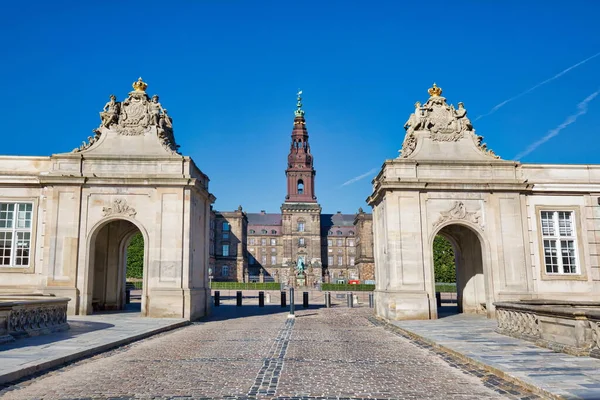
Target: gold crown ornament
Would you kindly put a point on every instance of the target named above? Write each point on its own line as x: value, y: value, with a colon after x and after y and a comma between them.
x: 140, y: 85
x: 435, y: 91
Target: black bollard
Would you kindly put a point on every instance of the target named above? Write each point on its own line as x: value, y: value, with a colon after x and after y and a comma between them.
x: 438, y: 299
x: 283, y: 302
x: 350, y: 300
x: 127, y: 296
x: 371, y: 300
x: 239, y: 298
x: 261, y: 299
x: 217, y: 298
x: 328, y: 299
x: 292, y: 304
x: 305, y: 299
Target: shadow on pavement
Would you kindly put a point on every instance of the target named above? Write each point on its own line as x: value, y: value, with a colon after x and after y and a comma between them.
x: 231, y: 311
x: 76, y: 328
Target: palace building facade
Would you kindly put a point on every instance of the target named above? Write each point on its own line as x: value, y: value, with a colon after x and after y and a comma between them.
x: 273, y: 247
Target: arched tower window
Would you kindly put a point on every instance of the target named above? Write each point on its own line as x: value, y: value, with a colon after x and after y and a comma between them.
x: 300, y: 186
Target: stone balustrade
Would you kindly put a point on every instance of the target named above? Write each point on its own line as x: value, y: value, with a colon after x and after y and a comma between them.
x: 570, y: 327
x: 31, y: 315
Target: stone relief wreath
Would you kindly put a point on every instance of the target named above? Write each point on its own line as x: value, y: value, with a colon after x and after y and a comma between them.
x: 119, y: 206
x: 459, y: 212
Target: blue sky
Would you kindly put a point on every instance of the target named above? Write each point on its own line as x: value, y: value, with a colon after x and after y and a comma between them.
x: 228, y: 72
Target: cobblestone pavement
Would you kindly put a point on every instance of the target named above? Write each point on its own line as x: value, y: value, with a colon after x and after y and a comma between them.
x: 251, y: 352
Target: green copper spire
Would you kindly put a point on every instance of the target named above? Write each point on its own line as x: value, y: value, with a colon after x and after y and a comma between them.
x: 299, y: 111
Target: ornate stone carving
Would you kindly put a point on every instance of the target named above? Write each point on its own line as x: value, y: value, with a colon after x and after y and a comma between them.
x: 440, y: 122
x: 439, y: 118
x: 409, y: 145
x: 134, y: 117
x: 90, y: 142
x: 595, y: 327
x: 458, y: 212
x: 119, y: 206
x: 110, y: 112
x: 29, y: 320
x: 518, y: 323
x: 484, y: 149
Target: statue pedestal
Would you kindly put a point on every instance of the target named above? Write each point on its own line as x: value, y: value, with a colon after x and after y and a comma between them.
x: 300, y: 281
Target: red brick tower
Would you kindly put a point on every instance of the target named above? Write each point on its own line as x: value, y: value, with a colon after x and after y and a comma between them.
x: 300, y: 172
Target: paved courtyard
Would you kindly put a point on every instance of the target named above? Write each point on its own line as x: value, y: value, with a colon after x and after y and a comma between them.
x: 252, y: 352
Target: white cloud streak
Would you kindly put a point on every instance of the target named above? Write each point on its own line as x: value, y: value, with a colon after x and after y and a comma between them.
x: 358, y: 178
x: 531, y: 89
x: 582, y: 108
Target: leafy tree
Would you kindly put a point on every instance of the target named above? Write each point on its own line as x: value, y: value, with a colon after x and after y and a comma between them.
x: 135, y: 257
x: 443, y: 260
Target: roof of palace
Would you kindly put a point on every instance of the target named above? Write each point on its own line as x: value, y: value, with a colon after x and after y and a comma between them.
x: 263, y: 218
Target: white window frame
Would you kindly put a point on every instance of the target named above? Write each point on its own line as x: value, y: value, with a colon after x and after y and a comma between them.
x: 273, y: 260
x: 15, y: 231
x: 553, y: 238
x: 301, y: 227
x: 340, y: 260
x: 273, y: 242
x: 330, y: 260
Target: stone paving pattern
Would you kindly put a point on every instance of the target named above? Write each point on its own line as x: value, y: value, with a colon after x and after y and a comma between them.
x: 557, y: 374
x: 252, y: 352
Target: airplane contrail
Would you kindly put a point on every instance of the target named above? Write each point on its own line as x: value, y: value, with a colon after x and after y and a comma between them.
x: 582, y: 108
x: 358, y: 178
x: 531, y: 89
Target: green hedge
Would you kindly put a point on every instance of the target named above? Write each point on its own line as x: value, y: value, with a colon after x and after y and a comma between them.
x: 445, y: 287
x: 245, y: 286
x: 331, y: 287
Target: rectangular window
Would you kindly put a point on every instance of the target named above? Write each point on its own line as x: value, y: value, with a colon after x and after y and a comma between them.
x: 300, y: 226
x: 15, y: 234
x: 330, y: 260
x: 350, y: 242
x: 329, y: 242
x: 263, y: 259
x: 251, y: 241
x: 273, y: 242
x: 340, y: 260
x: 226, y: 250
x: 273, y: 249
x: 273, y: 260
x: 263, y: 242
x: 340, y: 242
x: 351, y: 260
x: 560, y: 242
x: 225, y: 235
x: 225, y: 270
x: 225, y: 226
x: 300, y: 241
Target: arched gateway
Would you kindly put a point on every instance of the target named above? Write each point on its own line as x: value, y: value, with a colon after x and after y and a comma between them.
x: 81, y: 209
x: 519, y: 231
